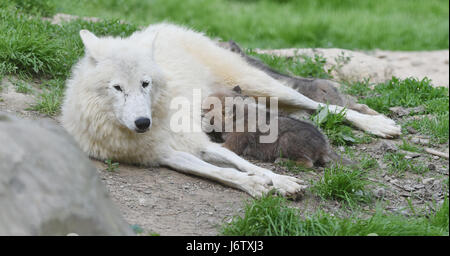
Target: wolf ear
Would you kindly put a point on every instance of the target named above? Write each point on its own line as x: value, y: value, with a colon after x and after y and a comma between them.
x: 91, y: 43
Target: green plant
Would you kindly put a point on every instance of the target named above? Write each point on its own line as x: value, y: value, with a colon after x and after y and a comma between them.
x: 112, y: 166
x: 332, y: 124
x: 49, y: 101
x: 342, y: 183
x: 349, y: 24
x: 409, y: 92
x: 22, y: 87
x: 409, y: 147
x: 398, y: 164
x: 272, y: 216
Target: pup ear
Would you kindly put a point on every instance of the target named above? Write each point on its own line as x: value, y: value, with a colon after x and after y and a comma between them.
x: 91, y: 43
x: 237, y: 89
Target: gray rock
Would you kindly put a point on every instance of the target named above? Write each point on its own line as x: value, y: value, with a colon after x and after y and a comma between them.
x: 427, y: 180
x: 48, y: 186
x: 387, y: 146
x: 411, y: 130
x: 420, y: 140
x: 401, y: 111
x: 380, y: 192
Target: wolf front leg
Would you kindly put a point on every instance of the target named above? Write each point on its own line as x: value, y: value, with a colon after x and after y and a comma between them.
x: 285, y: 185
x: 187, y: 163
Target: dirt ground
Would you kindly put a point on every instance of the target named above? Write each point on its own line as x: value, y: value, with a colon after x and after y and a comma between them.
x: 165, y: 202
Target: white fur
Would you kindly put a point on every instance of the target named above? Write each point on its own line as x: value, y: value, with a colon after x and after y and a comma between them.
x: 102, y: 119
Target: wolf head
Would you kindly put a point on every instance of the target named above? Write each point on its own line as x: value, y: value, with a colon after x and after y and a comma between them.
x: 124, y: 75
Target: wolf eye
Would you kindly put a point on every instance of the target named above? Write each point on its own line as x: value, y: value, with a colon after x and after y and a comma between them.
x: 145, y: 84
x: 117, y: 87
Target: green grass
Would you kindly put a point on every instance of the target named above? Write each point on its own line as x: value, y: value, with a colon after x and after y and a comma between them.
x: 33, y: 7
x: 398, y: 164
x: 300, y: 65
x: 332, y: 124
x: 342, y: 183
x: 409, y: 147
x: 409, y: 93
x: 49, y: 101
x: 350, y: 24
x: 437, y: 127
x: 271, y: 216
x: 22, y: 87
x: 112, y: 166
x: 30, y: 47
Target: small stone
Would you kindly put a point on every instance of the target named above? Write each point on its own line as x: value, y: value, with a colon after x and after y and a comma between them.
x: 142, y: 201
x: 427, y: 180
x: 399, y: 111
x: 380, y: 192
x: 410, y: 155
x: 411, y: 130
x: 419, y: 186
x: 419, y: 140
x: 436, y: 157
x: 388, y: 146
x: 432, y: 167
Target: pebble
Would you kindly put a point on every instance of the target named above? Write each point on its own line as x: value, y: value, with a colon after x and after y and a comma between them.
x: 411, y: 130
x: 427, y: 180
x: 422, y: 141
x: 142, y: 201
x: 410, y: 155
x: 380, y: 192
x: 388, y: 146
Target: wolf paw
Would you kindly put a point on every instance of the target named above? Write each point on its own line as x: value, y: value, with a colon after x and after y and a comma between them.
x: 289, y: 187
x: 378, y: 125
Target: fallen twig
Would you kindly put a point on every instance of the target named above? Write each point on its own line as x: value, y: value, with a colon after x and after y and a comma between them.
x: 436, y: 153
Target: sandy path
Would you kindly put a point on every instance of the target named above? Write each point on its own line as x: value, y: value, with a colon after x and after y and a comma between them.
x: 380, y: 65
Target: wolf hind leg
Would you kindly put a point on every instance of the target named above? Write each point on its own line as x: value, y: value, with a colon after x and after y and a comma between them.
x: 231, y: 69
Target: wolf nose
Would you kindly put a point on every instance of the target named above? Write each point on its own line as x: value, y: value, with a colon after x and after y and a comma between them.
x: 142, y: 123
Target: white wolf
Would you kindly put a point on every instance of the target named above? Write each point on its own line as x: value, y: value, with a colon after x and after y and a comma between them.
x: 117, y: 105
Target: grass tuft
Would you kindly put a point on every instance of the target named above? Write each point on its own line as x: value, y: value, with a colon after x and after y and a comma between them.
x: 398, y: 164
x: 271, y: 216
x: 342, y: 183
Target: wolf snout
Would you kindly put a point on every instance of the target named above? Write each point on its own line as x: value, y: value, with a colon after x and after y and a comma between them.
x: 142, y: 124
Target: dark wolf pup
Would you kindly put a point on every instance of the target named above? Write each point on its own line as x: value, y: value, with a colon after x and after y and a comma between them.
x: 297, y: 140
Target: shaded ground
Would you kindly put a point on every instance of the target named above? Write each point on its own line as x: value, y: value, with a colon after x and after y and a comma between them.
x: 165, y: 202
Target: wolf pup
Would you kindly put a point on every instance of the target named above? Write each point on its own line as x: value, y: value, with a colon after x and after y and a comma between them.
x: 297, y: 140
